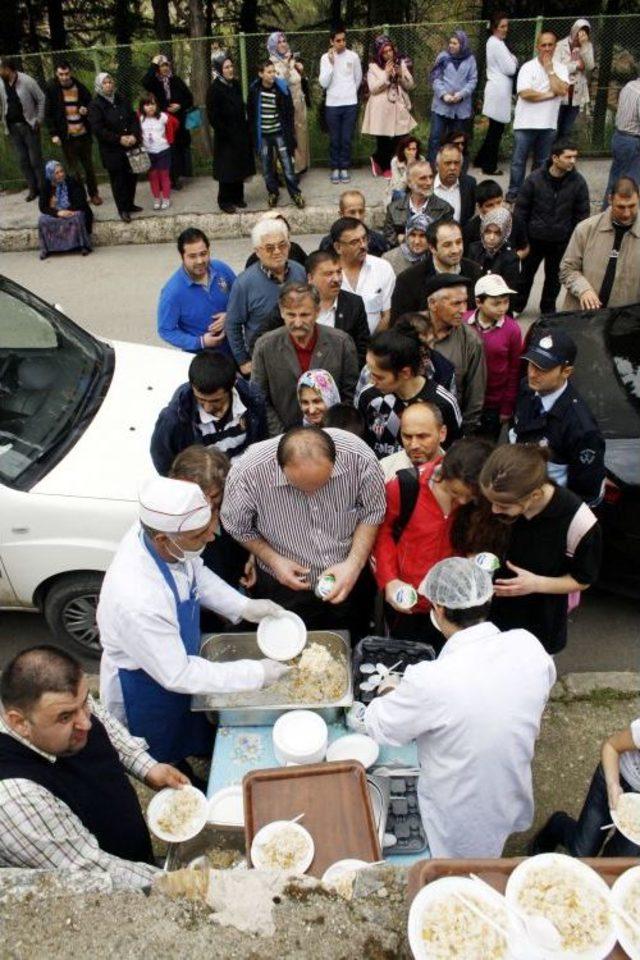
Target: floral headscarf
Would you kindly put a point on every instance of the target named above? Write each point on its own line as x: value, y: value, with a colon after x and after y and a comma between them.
x: 499, y: 217
x: 97, y: 86
x: 323, y: 384
x: 417, y: 222
x: 272, y: 44
x: 445, y: 57
x: 62, y: 192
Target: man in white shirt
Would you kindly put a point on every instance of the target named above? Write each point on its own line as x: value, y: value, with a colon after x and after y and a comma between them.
x: 371, y: 278
x: 149, y: 620
x: 340, y: 77
x: 475, y: 727
x: 456, y: 188
x: 542, y: 83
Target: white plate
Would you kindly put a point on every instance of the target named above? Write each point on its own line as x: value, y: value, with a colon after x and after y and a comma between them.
x: 435, y: 893
x: 354, y: 746
x: 226, y: 807
x: 300, y: 736
x: 342, y: 866
x: 156, y: 810
x: 619, y: 891
x: 266, y: 833
x: 633, y: 799
x: 282, y: 638
x: 584, y: 873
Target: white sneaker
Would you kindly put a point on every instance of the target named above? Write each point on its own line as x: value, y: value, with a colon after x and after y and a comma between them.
x: 165, y: 204
x: 335, y: 176
x: 157, y: 204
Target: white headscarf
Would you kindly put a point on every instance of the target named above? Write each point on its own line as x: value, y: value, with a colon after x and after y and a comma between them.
x: 100, y: 78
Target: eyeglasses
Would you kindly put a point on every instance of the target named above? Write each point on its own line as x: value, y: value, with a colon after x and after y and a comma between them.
x: 276, y: 247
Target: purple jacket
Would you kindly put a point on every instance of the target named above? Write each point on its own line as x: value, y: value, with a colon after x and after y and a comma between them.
x: 502, y: 350
x: 464, y: 80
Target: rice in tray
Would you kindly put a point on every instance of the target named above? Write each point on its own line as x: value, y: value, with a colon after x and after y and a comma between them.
x: 178, y: 812
x: 286, y: 848
x: 628, y: 815
x: 580, y: 912
x: 450, y: 930
x: 631, y: 904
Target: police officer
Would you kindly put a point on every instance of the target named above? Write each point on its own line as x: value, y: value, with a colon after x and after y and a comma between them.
x: 551, y: 413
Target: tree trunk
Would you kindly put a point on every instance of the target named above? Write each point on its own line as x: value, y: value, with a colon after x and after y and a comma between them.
x: 11, y: 27
x: 57, y: 30
x: 605, y: 64
x: 200, y: 67
x: 248, y: 20
x: 161, y: 19
x: 123, y: 26
x: 336, y: 12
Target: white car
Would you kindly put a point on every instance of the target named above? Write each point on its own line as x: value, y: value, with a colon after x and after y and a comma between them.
x: 76, y: 418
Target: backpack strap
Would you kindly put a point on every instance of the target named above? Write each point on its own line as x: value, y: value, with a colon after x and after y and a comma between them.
x: 409, y: 485
x: 583, y: 520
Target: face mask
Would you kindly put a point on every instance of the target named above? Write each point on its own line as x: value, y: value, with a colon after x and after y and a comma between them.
x: 185, y: 554
x: 434, y: 619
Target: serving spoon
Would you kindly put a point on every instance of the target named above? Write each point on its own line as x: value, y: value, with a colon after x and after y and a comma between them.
x: 540, y: 930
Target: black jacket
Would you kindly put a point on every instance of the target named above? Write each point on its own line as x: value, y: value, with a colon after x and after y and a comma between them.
x: 351, y: 317
x: 54, y: 111
x: 467, y: 198
x: 471, y: 233
x: 177, y: 425
x: 398, y: 212
x: 110, y: 121
x: 232, y: 148
x: 505, y: 262
x: 77, y: 200
x: 409, y: 294
x: 179, y: 93
x: 377, y: 243
x: 550, y: 207
x: 284, y: 107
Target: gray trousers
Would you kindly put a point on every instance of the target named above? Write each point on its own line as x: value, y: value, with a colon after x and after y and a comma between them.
x: 27, y: 146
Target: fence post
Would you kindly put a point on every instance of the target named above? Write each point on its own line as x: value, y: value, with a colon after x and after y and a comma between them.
x: 538, y: 31
x: 244, y: 75
x: 96, y: 60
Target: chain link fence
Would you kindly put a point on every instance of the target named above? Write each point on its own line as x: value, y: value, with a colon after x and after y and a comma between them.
x: 616, y: 43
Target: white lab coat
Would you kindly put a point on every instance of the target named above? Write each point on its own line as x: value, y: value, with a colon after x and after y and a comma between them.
x: 498, y: 91
x: 139, y: 627
x: 475, y: 714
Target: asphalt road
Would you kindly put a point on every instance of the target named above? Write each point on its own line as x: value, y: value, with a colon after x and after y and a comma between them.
x: 114, y: 293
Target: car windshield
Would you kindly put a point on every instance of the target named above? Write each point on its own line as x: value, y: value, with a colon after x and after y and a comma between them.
x: 48, y: 371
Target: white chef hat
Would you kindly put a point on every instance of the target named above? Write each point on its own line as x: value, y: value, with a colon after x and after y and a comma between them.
x: 457, y: 583
x: 173, y: 506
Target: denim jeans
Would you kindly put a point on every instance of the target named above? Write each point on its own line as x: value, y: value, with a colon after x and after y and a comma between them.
x: 583, y: 837
x: 537, y: 142
x: 438, y: 126
x: 341, y: 122
x: 567, y: 116
x: 273, y: 143
x: 27, y: 145
x: 625, y: 160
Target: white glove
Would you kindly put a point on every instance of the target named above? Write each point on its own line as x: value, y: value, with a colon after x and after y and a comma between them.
x: 255, y: 610
x: 273, y: 670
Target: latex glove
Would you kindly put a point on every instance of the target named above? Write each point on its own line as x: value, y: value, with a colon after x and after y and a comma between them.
x: 255, y: 610
x: 273, y: 669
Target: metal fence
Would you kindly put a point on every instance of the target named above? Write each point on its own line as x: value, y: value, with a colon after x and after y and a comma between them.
x: 616, y: 41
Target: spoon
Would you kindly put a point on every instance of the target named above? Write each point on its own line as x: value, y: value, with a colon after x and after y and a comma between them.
x: 540, y: 930
x: 295, y: 820
x: 628, y: 919
x: 483, y: 916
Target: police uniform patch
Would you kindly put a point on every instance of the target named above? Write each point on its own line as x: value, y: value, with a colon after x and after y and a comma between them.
x: 546, y: 343
x: 587, y: 456
x: 222, y: 284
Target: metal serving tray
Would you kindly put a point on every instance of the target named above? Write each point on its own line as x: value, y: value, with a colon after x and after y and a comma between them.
x: 263, y: 707
x: 213, y: 836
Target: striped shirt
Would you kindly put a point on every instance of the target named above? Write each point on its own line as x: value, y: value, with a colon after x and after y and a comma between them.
x: 229, y: 432
x: 38, y: 830
x: 75, y: 123
x: 382, y: 413
x: 316, y: 530
x: 628, y: 113
x: 269, y: 119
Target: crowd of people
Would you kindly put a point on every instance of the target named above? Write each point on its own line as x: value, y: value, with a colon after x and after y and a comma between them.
x: 366, y: 411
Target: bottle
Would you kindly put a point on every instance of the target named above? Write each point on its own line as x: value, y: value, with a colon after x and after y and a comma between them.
x: 325, y: 585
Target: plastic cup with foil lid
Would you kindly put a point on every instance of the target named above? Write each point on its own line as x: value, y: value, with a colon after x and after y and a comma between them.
x: 325, y: 585
x: 488, y: 562
x: 405, y: 597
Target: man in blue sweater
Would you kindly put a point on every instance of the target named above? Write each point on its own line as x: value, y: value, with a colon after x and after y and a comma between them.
x: 193, y: 302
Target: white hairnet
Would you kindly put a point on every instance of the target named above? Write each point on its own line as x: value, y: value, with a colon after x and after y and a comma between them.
x: 457, y: 583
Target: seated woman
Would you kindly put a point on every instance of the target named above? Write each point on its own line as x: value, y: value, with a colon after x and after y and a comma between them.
x: 408, y: 151
x: 66, y: 219
x: 493, y: 252
x: 317, y: 392
x: 413, y: 248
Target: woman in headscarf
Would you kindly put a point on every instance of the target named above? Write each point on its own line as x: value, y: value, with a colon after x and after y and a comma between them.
x: 576, y: 53
x: 413, y: 248
x: 493, y: 253
x: 233, y: 161
x: 498, y: 92
x: 454, y: 79
x: 317, y: 392
x: 65, y: 216
x: 291, y: 69
x: 116, y: 127
x: 174, y: 98
x: 387, y: 115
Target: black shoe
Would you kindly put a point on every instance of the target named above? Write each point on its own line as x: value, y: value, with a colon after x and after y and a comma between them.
x: 227, y: 208
x: 242, y: 204
x: 136, y: 209
x: 298, y: 199
x: 125, y: 216
x: 30, y: 196
x: 272, y: 200
x: 176, y: 186
x: 546, y: 839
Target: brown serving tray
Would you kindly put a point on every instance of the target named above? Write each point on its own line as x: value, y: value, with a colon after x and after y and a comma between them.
x: 497, y: 872
x: 334, y: 798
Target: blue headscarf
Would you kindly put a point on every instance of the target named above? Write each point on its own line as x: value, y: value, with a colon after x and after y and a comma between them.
x: 62, y: 193
x: 444, y: 58
x: 419, y: 221
x: 272, y: 44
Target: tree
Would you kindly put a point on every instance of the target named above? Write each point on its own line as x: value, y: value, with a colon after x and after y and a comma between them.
x: 57, y: 31
x: 161, y: 19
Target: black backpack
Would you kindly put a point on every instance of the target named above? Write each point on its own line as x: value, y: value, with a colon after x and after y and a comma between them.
x: 409, y: 483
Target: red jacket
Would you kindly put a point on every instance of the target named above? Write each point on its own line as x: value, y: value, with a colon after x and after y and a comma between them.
x: 423, y: 542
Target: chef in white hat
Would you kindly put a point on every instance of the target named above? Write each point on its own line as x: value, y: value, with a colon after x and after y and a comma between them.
x: 149, y: 620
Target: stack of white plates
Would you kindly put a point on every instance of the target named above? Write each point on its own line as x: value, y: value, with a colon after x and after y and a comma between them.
x: 300, y: 736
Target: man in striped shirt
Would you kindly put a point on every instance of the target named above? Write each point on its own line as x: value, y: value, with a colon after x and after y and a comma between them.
x: 271, y: 117
x: 307, y: 504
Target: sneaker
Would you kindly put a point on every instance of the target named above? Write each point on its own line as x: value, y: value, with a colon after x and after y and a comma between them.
x: 165, y: 204
x: 272, y: 200
x: 157, y: 204
x: 546, y: 839
x: 335, y: 176
x: 345, y: 176
x: 298, y: 199
x: 376, y: 169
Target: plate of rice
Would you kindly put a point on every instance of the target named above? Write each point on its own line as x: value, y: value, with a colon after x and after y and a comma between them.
x: 341, y: 876
x: 441, y: 927
x: 625, y: 894
x: 626, y: 816
x: 179, y: 814
x: 573, y: 897
x: 283, y: 845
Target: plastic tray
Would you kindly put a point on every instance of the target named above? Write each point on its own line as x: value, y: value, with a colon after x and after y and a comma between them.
x: 388, y: 651
x: 403, y: 817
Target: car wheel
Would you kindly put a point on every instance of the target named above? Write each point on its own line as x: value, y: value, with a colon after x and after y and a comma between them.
x: 70, y: 610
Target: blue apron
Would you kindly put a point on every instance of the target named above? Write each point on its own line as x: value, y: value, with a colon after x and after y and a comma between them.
x: 162, y: 717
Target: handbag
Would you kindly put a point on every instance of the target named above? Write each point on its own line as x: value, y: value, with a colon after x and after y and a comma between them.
x: 138, y: 160
x: 193, y: 119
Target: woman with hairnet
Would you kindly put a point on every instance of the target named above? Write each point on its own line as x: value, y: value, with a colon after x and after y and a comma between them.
x: 475, y: 714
